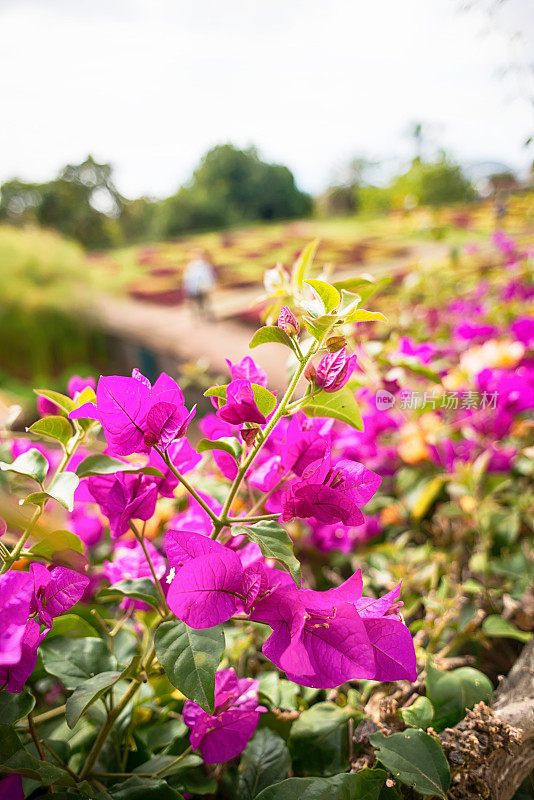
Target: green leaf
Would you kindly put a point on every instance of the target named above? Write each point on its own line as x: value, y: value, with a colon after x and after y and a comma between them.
x: 451, y: 693
x: 136, y: 588
x: 217, y: 391
x: 265, y: 400
x: 318, y: 741
x: 274, y: 542
x: 419, y: 714
x: 317, y: 326
x: 229, y: 444
x: 303, y: 264
x: 165, y: 765
x: 75, y: 663
x: 416, y: 759
x: 87, y: 395
x: 190, y: 659
x: 495, y: 625
x: 416, y: 368
x: 362, y: 315
x: 31, y: 464
x: 58, y: 428
x: 53, y: 541
x: 61, y: 490
x: 14, y: 758
x: 365, y: 287
x: 340, y: 405
x: 424, y: 496
x: 363, y: 785
x: 63, y: 402
x: 265, y: 761
x: 71, y: 625
x: 328, y: 294
x: 15, y: 706
x: 270, y: 333
x: 140, y: 789
x: 103, y: 465
x: 88, y: 693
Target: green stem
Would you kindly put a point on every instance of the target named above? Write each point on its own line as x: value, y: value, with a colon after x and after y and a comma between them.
x: 15, y: 553
x: 17, y: 550
x: 141, y: 539
x: 106, y: 729
x: 243, y: 520
x: 48, y: 715
x: 173, y: 763
x: 243, y: 469
x: 192, y: 491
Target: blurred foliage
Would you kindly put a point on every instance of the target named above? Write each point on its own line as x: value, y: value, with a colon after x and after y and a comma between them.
x: 41, y: 290
x: 229, y: 187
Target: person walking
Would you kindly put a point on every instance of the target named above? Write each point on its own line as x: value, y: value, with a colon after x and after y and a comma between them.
x: 198, y: 282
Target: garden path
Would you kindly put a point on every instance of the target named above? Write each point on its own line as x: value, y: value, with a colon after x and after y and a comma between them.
x: 174, y: 331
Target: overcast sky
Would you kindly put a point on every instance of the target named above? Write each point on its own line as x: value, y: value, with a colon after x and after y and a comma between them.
x: 150, y: 85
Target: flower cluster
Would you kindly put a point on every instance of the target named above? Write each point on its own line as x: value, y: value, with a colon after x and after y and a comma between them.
x: 29, y: 601
x: 320, y: 639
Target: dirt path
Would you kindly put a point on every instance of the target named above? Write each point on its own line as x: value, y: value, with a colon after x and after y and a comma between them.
x: 174, y: 331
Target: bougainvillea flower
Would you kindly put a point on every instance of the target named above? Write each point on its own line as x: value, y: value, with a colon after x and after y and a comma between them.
x: 13, y: 676
x: 267, y: 475
x: 129, y: 562
x: 224, y: 735
x: 331, y: 493
x: 288, y: 321
x: 470, y: 331
x: 334, y: 370
x: 55, y: 591
x: 123, y: 497
x: 303, y: 446
x: 77, y: 384
x: 46, y: 407
x: 342, y: 537
x: 136, y: 416
x: 523, y: 330
x: 11, y: 788
x: 182, y: 456
x: 16, y: 590
x: 247, y: 369
x: 322, y: 639
x: 86, y: 524
x: 208, y: 580
x: 240, y: 405
x: 424, y: 351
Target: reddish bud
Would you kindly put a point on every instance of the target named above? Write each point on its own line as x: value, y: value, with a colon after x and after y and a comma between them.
x: 288, y: 321
x: 150, y: 439
x: 335, y: 343
x: 334, y: 370
x: 249, y: 435
x: 310, y: 373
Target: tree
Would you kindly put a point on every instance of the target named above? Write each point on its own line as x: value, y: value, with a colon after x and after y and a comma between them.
x: 231, y: 186
x: 432, y: 183
x: 82, y: 202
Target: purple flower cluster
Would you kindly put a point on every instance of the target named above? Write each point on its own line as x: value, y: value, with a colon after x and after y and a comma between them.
x: 224, y: 734
x: 320, y: 639
x: 29, y: 601
x: 136, y: 416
